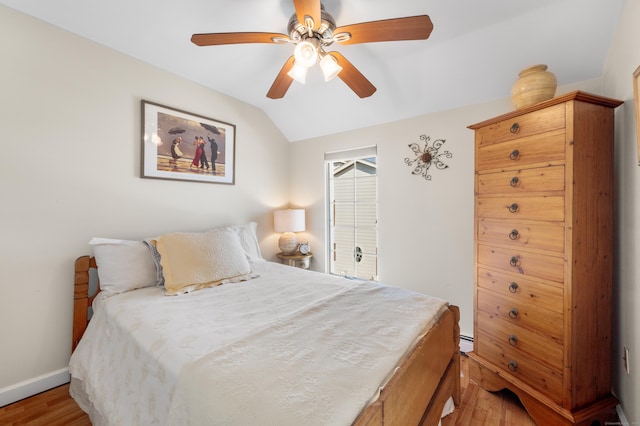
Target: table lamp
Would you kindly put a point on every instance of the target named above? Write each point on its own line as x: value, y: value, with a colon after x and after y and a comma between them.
x: 288, y: 221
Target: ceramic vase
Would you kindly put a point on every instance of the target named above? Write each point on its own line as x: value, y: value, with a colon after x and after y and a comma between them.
x: 535, y: 84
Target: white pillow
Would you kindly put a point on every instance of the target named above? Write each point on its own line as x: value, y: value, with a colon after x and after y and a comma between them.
x: 191, y: 261
x: 249, y: 240
x: 123, y: 265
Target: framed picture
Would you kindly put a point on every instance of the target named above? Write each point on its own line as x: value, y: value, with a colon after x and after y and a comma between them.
x: 180, y: 145
x: 636, y: 104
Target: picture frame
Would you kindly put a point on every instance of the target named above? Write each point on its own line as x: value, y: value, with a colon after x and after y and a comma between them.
x: 636, y: 104
x: 179, y: 145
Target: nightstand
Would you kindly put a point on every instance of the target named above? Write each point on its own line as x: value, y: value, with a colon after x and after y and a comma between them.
x: 296, y: 259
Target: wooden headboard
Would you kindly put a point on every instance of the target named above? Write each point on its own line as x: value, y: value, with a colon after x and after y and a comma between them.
x: 81, y: 299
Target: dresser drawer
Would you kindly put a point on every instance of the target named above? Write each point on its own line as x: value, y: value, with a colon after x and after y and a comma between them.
x: 537, y: 293
x: 513, y: 311
x: 544, y: 349
x: 549, y: 208
x: 523, y: 126
x: 541, y: 179
x: 522, y: 262
x: 518, y: 234
x: 528, y: 370
x: 543, y: 148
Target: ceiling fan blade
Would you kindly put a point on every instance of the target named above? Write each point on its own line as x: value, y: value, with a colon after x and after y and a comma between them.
x: 213, y: 39
x: 310, y: 8
x: 409, y: 28
x: 353, y: 78
x: 282, y: 82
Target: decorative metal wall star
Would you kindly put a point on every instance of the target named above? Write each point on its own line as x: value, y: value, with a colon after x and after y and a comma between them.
x: 427, y: 156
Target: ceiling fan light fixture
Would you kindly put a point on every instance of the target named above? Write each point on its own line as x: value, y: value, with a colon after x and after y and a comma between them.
x: 306, y: 54
x: 298, y: 72
x: 330, y: 67
x: 312, y: 29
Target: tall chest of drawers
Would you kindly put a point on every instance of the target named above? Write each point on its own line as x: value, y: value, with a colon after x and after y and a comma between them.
x: 543, y: 257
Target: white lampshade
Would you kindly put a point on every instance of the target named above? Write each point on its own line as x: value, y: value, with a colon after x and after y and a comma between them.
x: 306, y: 54
x: 330, y: 67
x: 298, y: 73
x: 288, y: 222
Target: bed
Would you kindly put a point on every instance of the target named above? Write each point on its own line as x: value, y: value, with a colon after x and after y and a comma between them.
x: 279, y: 345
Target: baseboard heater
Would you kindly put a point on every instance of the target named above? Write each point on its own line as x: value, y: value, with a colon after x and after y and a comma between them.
x: 466, y: 344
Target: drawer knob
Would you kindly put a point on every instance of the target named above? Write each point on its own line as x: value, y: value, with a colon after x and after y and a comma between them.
x: 513, y: 340
x: 514, y: 234
x: 513, y: 287
x: 515, y: 128
x: 513, y: 208
x: 512, y: 366
x: 514, y: 261
x: 514, y: 181
x: 513, y: 313
x: 515, y: 154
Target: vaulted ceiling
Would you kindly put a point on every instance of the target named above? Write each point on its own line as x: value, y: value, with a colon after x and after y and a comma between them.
x: 473, y: 55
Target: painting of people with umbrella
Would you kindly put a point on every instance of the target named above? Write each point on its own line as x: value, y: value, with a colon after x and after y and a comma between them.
x: 184, y: 146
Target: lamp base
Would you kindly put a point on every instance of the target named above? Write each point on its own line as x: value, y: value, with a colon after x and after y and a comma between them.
x: 288, y: 243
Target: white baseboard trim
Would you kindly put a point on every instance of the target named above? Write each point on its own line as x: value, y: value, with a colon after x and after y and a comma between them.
x: 621, y: 416
x: 30, y: 387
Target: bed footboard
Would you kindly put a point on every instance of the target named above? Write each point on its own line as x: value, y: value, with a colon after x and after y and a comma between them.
x: 425, y: 380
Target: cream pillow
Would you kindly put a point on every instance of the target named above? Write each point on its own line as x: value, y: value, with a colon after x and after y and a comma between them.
x: 191, y: 261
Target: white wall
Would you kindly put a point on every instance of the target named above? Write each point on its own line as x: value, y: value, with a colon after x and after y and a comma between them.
x: 69, y: 170
x: 623, y: 59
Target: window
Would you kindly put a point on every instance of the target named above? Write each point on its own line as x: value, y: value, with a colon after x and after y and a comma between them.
x: 352, y: 205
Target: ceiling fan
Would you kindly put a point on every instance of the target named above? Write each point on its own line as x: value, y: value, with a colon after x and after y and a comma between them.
x: 313, y: 30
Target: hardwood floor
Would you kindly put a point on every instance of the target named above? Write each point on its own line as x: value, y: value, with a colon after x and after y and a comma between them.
x: 479, y: 408
x: 51, y: 408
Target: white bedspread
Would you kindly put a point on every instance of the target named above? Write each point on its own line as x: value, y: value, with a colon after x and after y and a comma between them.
x: 291, y: 347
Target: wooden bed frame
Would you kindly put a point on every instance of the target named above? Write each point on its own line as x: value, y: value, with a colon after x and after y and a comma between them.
x: 415, y: 395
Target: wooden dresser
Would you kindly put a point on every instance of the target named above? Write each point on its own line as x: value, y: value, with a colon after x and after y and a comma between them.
x: 543, y: 257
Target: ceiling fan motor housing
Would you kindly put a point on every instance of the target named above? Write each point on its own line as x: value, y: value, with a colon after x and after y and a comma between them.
x: 324, y: 33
